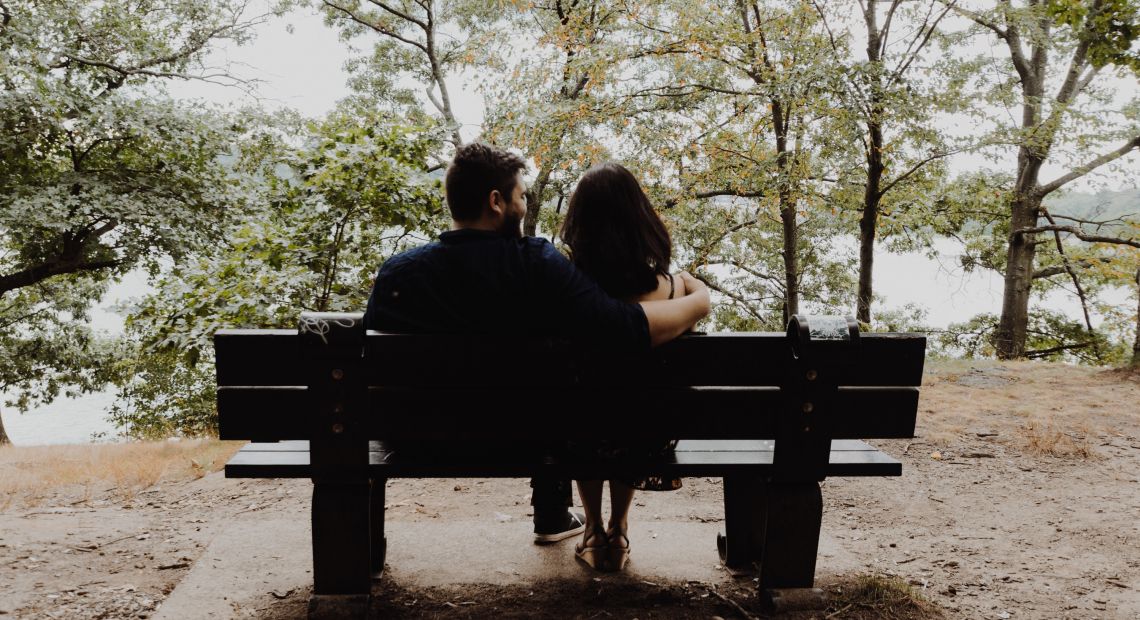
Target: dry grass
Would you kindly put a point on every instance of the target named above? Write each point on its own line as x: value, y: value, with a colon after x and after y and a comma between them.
x: 1037, y: 408
x: 31, y: 475
x: 877, y: 596
x: 1044, y: 439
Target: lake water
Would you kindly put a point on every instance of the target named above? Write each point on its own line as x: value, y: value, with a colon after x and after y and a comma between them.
x: 936, y: 285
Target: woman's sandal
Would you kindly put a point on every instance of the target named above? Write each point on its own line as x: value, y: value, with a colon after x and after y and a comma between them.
x: 593, y: 555
x: 618, y: 555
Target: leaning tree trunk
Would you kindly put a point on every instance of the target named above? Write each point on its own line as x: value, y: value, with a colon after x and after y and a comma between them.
x: 1135, y: 343
x: 4, y: 436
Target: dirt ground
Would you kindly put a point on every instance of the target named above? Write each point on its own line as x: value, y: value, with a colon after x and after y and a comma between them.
x: 1019, y: 499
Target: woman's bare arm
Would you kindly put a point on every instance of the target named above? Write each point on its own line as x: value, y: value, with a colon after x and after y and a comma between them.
x: 671, y: 318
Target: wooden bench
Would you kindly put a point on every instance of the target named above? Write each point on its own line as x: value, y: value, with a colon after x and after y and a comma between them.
x: 772, y: 414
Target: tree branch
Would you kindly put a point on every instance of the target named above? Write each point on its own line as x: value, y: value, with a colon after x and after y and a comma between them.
x: 979, y: 19
x: 909, y: 57
x: 1078, y: 233
x: 1051, y: 350
x: 915, y: 168
x: 353, y: 16
x: 1048, y: 272
x: 1082, y: 170
x: 1072, y: 273
x: 404, y: 16
x: 43, y: 271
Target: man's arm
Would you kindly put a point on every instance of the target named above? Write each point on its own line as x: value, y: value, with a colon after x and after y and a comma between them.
x: 670, y: 318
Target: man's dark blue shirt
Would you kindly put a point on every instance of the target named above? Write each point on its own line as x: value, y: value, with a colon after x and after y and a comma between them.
x: 476, y: 281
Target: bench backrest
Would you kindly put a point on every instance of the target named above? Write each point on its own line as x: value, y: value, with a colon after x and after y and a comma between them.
x: 338, y: 386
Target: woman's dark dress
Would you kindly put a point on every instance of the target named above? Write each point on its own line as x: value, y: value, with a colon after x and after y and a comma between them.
x: 604, y: 449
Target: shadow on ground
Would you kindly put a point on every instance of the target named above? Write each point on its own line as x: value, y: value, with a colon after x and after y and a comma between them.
x: 618, y: 596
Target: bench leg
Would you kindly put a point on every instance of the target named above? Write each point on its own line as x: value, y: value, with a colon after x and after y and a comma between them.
x: 791, y: 534
x: 341, y: 558
x: 773, y: 525
x: 379, y: 543
x: 741, y: 544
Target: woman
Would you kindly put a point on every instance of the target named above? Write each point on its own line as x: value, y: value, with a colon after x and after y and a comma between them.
x: 615, y: 237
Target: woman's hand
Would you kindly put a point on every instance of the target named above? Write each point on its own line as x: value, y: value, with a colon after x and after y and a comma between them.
x: 694, y: 286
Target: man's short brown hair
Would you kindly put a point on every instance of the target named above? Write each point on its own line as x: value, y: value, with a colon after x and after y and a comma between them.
x: 476, y: 170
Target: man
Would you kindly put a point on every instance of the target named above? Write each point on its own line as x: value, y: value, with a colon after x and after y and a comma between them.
x: 484, y: 276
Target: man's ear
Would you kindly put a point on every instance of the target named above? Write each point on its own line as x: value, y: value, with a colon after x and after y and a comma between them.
x: 496, y: 204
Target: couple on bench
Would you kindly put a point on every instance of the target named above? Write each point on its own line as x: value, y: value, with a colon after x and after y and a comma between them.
x: 484, y: 276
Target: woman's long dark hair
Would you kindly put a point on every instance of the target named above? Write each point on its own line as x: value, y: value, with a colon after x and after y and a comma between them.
x: 613, y: 233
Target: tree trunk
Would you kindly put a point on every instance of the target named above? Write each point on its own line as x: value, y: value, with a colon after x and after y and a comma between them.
x: 787, y: 212
x: 4, y: 436
x: 866, y: 255
x: 871, y: 194
x: 1009, y: 340
x: 1135, y: 343
x: 534, y: 197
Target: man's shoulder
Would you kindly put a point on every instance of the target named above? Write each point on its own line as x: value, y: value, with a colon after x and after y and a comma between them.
x: 540, y: 248
x: 409, y: 257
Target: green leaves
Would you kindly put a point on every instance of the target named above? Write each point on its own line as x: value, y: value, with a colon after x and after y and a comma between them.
x: 100, y: 172
x: 1110, y: 30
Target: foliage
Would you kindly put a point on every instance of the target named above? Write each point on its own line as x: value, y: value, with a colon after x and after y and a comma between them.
x: 100, y: 171
x: 165, y: 397
x: 46, y: 347
x: 1052, y: 337
x: 329, y: 208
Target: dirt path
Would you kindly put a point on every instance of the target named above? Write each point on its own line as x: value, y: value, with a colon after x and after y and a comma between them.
x: 1019, y: 499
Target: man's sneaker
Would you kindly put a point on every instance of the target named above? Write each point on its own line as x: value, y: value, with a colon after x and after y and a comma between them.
x: 572, y: 524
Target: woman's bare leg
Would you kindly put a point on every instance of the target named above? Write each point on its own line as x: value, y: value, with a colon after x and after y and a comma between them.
x: 591, y: 493
x: 617, y: 536
x: 621, y: 497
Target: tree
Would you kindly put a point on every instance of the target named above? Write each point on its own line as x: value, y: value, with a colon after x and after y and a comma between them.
x: 741, y: 90
x: 1091, y: 37
x: 1136, y: 342
x: 555, y: 95
x: 46, y: 347
x: 896, y: 111
x: 414, y: 38
x: 100, y: 172
x: 332, y: 198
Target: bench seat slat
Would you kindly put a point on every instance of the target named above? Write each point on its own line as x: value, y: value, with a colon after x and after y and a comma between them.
x: 850, y: 458
x: 264, y: 413
x: 686, y: 445
x: 273, y: 357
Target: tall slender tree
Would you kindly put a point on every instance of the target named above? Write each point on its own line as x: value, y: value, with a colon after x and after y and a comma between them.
x: 749, y: 85
x: 901, y: 149
x: 1056, y: 50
